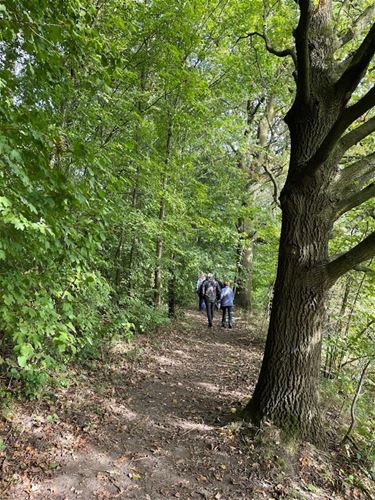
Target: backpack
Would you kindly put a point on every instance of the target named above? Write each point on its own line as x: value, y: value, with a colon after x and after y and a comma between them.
x: 210, y: 291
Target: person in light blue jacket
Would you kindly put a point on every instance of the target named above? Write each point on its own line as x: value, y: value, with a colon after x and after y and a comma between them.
x: 226, y: 298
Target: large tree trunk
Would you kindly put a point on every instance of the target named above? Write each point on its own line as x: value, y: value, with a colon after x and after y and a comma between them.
x: 315, y: 194
x: 287, y: 391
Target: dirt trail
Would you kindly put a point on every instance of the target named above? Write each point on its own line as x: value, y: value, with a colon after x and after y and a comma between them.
x: 155, y: 422
x: 147, y: 428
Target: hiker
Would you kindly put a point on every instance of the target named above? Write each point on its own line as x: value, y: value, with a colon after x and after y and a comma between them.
x: 226, y: 297
x: 211, y: 293
x: 201, y: 303
x: 221, y: 285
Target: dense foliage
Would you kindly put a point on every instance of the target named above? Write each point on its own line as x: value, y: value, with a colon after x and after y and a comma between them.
x: 136, y: 145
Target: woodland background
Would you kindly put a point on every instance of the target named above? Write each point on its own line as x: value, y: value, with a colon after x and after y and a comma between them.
x: 142, y: 142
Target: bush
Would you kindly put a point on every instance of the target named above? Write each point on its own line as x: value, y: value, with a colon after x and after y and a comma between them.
x: 47, y: 319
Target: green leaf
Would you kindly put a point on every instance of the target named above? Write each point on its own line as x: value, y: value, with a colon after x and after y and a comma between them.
x: 22, y: 361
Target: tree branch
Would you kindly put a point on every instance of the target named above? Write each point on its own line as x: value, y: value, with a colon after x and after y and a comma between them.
x: 279, y: 53
x: 357, y: 109
x: 364, y: 269
x: 251, y: 111
x: 358, y: 25
x: 358, y: 65
x: 356, y: 135
x: 274, y: 183
x: 356, y: 174
x: 349, y: 260
x: 301, y: 35
x: 356, y: 199
x: 353, y: 360
x: 359, y: 335
x: 348, y: 116
x: 234, y: 150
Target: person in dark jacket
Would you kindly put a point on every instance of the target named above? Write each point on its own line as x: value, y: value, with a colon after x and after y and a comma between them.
x: 201, y: 302
x: 211, y: 293
x: 226, y: 298
x: 221, y: 285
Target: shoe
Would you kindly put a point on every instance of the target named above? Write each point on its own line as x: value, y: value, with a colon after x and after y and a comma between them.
x: 209, y: 326
x: 223, y: 325
x: 230, y: 325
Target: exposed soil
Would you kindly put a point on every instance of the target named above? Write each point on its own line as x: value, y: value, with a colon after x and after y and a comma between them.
x: 156, y: 420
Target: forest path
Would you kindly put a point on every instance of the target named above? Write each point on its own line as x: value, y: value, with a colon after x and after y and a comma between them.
x: 148, y: 423
x: 156, y: 420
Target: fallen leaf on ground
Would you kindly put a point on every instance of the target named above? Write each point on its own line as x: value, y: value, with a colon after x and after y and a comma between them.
x: 134, y: 476
x: 122, y: 459
x: 200, y: 477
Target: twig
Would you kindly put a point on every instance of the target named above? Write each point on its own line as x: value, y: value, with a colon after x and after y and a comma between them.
x: 119, y: 489
x: 274, y: 183
x: 355, y: 399
x: 278, y: 53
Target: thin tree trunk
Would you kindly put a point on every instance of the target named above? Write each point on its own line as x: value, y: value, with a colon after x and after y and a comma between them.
x: 172, y: 289
x: 244, y: 279
x: 342, y: 352
x: 245, y: 264
x: 331, y: 352
x: 244, y: 275
x: 118, y: 260
x: 162, y: 208
x: 159, y: 252
x: 350, y: 316
x: 136, y: 187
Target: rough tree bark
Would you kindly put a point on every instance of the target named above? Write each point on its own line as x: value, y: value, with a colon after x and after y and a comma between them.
x: 315, y: 194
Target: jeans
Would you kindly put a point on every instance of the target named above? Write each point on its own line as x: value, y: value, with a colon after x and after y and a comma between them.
x: 201, y: 304
x: 210, y: 306
x: 225, y: 309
